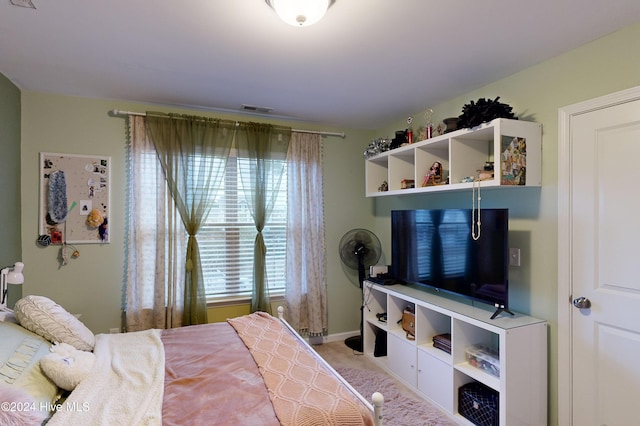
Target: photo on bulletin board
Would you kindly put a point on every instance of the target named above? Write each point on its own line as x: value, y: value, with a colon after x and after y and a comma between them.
x: 75, y: 195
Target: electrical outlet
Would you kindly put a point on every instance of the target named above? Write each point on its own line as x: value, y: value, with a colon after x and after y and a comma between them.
x: 114, y: 330
x: 514, y: 257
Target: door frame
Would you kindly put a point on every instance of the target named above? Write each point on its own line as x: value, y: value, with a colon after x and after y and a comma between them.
x: 565, y: 232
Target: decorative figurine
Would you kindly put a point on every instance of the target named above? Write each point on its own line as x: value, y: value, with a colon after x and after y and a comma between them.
x: 434, y: 175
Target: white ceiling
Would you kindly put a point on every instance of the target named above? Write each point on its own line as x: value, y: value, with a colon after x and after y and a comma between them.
x: 366, y: 62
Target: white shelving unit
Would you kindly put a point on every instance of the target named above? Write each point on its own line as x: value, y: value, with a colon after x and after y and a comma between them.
x: 520, y: 341
x: 505, y: 142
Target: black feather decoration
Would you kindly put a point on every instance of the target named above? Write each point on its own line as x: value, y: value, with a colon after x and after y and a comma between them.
x: 482, y: 111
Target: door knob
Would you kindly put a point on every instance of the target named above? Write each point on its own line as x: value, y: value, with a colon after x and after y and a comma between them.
x: 582, y: 303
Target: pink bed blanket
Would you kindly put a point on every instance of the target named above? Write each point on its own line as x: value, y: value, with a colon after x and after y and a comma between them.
x: 211, y: 378
x: 302, y: 390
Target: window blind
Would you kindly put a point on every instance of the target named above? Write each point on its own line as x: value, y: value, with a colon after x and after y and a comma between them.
x: 227, y: 238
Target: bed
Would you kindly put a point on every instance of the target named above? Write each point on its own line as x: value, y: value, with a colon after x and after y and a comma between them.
x: 250, y: 370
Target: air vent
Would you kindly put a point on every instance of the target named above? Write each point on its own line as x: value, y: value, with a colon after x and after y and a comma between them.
x: 253, y: 108
x: 23, y: 3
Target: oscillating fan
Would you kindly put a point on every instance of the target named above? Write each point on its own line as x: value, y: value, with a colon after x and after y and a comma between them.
x: 359, y: 249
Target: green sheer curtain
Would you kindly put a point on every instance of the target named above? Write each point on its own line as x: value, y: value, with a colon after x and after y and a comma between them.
x: 192, y: 152
x: 263, y: 150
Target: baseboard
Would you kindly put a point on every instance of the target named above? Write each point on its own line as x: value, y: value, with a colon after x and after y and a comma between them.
x: 317, y: 340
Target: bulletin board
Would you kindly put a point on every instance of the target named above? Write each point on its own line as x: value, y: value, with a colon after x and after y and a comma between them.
x: 75, y: 195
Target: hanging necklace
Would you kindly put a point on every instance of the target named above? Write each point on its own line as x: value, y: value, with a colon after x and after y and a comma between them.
x: 475, y: 225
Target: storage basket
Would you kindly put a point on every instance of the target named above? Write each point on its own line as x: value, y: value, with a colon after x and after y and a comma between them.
x: 478, y: 404
x: 484, y: 358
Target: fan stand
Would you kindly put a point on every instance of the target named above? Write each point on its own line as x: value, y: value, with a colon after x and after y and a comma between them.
x: 355, y: 342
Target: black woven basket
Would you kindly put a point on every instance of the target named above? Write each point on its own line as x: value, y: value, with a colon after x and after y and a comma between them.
x: 478, y: 404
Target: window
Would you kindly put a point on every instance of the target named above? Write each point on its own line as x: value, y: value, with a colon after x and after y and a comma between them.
x: 227, y: 239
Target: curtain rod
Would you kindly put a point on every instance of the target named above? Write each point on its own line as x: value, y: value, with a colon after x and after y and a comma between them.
x: 144, y: 114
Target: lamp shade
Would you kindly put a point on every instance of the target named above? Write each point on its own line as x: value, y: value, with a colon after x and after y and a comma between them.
x: 15, y: 279
x: 300, y: 13
x: 15, y: 275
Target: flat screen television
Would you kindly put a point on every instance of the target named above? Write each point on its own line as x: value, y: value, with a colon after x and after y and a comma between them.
x: 436, y: 248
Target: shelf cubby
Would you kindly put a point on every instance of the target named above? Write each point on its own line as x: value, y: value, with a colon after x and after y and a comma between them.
x: 431, y: 323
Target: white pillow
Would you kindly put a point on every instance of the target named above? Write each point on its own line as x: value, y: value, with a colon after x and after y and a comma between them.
x: 20, y: 354
x: 51, y: 321
x: 66, y: 365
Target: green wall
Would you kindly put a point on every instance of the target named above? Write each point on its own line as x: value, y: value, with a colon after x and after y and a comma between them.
x: 92, y: 284
x: 10, y: 220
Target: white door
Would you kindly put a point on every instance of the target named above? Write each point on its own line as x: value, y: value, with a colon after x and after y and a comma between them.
x: 599, y: 265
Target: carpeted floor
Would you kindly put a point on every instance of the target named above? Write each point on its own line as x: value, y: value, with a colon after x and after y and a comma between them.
x: 403, y: 407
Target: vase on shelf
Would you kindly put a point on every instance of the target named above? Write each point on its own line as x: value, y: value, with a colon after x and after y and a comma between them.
x: 452, y: 124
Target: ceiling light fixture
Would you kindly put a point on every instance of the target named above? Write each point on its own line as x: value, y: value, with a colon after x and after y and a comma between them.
x: 300, y: 13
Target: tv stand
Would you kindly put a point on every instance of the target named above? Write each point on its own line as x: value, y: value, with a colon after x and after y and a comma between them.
x: 500, y: 310
x: 508, y: 353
